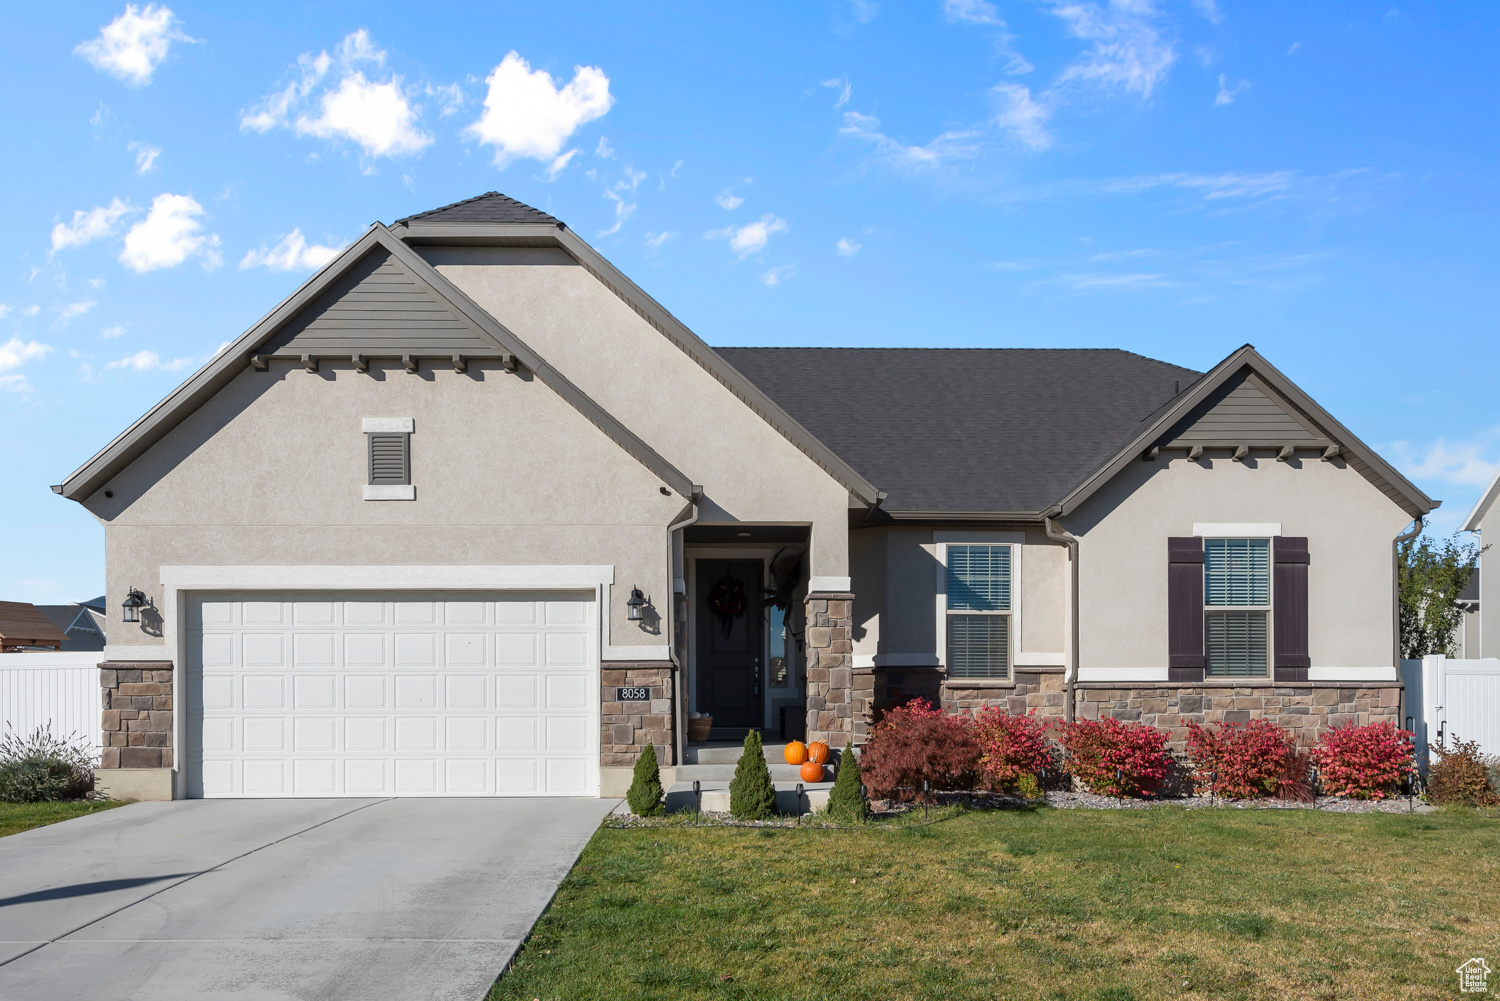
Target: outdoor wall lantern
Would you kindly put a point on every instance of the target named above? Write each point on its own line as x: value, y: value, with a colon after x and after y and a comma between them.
x: 132, y: 605
x: 637, y: 602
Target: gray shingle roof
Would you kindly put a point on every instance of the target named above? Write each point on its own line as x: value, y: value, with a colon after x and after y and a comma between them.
x: 966, y: 429
x: 491, y: 206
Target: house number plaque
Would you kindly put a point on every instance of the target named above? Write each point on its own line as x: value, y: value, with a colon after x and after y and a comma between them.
x: 632, y: 695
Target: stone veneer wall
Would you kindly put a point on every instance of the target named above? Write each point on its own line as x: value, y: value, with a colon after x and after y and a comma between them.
x: 830, y: 667
x: 627, y: 727
x: 1039, y: 690
x: 137, y: 720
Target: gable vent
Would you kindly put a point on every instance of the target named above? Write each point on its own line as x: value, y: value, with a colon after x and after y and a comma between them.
x: 389, y: 460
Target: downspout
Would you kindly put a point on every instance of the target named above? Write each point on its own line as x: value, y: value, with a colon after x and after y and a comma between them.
x: 1416, y: 530
x: 679, y: 680
x: 1057, y: 533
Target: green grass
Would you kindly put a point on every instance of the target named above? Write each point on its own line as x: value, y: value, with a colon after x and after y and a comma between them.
x: 1052, y: 904
x: 18, y: 817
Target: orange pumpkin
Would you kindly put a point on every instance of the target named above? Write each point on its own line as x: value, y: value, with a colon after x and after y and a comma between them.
x: 796, y: 752
x: 812, y: 771
x: 817, y: 751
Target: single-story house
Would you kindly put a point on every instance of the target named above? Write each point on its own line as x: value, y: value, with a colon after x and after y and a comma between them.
x: 470, y: 513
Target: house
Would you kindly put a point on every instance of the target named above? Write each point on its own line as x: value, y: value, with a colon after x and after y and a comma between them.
x: 470, y: 513
x: 81, y: 622
x: 24, y: 627
x: 1480, y: 631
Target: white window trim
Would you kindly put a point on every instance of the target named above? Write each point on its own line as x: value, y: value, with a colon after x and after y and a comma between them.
x: 388, y: 425
x: 390, y: 491
x: 1268, y: 608
x: 941, y: 541
x: 1237, y: 530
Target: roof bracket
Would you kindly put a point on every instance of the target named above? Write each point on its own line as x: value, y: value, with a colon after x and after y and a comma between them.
x: 310, y: 363
x: 361, y: 363
x: 1151, y: 454
x: 410, y: 362
x: 1195, y: 453
x: 260, y: 362
x: 1331, y: 452
x: 1285, y: 453
x: 1242, y: 453
x: 509, y: 361
x: 459, y: 364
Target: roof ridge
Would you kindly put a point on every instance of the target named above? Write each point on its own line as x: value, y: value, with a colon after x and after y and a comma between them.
x: 505, y: 199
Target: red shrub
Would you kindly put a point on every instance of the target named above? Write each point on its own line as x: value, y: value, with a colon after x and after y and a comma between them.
x: 915, y: 743
x: 1249, y: 760
x: 1117, y: 759
x: 1363, y: 762
x: 1012, y: 748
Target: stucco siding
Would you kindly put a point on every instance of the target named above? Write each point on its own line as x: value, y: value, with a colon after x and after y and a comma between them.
x: 1489, y: 586
x: 1123, y: 530
x: 271, y: 471
x: 750, y: 472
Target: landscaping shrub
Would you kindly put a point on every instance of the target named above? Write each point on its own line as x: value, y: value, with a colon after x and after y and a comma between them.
x: 1012, y: 750
x: 645, y: 795
x: 752, y: 795
x: 43, y: 768
x: 846, y: 802
x: 1117, y: 759
x: 1249, y: 760
x: 916, y: 743
x: 1461, y: 775
x: 1363, y: 762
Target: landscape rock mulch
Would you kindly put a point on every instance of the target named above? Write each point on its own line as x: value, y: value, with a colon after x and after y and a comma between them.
x: 1330, y: 804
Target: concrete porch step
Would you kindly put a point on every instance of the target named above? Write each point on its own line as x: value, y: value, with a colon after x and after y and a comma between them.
x: 715, y: 797
x: 780, y: 772
x: 728, y: 754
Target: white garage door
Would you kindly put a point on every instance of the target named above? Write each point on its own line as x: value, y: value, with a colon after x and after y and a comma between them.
x: 382, y: 694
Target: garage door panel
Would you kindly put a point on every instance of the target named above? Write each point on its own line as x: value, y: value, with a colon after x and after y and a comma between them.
x: 322, y: 694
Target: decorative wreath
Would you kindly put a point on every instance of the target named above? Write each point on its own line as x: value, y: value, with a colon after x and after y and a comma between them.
x: 728, y: 602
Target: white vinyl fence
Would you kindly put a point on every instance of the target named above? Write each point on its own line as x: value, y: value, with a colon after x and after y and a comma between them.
x: 1454, y: 700
x: 46, y: 686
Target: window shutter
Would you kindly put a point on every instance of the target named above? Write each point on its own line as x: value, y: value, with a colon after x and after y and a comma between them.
x: 389, y: 460
x: 1290, y: 657
x: 1185, y: 609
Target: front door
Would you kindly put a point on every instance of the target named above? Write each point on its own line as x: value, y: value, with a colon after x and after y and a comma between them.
x: 729, y: 642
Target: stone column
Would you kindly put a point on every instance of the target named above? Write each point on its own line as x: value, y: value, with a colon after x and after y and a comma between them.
x: 627, y: 727
x: 830, y: 668
x: 138, y: 758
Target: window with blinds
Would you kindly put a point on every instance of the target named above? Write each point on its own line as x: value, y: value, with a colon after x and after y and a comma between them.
x: 979, y: 606
x: 390, y: 459
x: 1237, y: 599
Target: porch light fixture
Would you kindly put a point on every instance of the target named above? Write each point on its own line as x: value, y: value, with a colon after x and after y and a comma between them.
x: 131, y: 607
x: 637, y: 602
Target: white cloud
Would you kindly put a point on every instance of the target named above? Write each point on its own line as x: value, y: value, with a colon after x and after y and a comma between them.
x: 557, y: 166
x: 972, y: 12
x: 840, y: 84
x: 150, y: 361
x: 778, y: 274
x: 605, y: 151
x: 1021, y: 116
x: 89, y: 226
x: 15, y: 352
x: 1107, y: 282
x: 15, y: 382
x: 31, y: 310
x: 377, y: 114
x: 950, y: 145
x: 654, y: 240
x: 451, y: 98
x: 4, y: 310
x: 134, y: 44
x: 751, y: 238
x: 1226, y: 93
x: 864, y: 11
x: 73, y: 309
x: 1460, y: 463
x: 1210, y: 10
x: 1128, y: 52
x: 109, y: 333
x: 726, y: 199
x: 1293, y: 48
x: 169, y: 235
x: 847, y: 247
x: 145, y: 156
x: 526, y: 114
x: 292, y: 253
x: 623, y: 210
x: 1212, y: 186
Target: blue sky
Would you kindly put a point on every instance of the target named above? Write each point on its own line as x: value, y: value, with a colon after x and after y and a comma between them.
x: 1173, y: 179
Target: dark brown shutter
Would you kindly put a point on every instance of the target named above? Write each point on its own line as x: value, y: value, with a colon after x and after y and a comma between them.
x: 1289, y: 616
x: 1185, y: 609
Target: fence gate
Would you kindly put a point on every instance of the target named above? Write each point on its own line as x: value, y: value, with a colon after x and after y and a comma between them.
x: 1454, y: 700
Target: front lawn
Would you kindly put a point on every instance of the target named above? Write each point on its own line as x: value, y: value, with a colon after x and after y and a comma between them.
x: 1110, y: 905
x: 18, y: 817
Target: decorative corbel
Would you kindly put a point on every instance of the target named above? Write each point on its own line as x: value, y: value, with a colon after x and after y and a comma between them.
x: 361, y: 363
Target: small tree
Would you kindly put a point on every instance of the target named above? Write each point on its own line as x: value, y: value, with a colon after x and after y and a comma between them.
x: 752, y: 795
x: 1430, y: 576
x: 645, y: 795
x: 847, y: 800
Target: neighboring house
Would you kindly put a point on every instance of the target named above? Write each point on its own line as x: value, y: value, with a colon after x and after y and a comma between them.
x: 1467, y: 638
x: 81, y: 622
x: 472, y: 514
x: 23, y: 626
x: 1481, y: 626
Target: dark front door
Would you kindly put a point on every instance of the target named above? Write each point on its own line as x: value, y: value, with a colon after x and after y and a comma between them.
x: 729, y: 642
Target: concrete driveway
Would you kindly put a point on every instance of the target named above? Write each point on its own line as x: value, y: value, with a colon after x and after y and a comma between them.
x: 273, y: 899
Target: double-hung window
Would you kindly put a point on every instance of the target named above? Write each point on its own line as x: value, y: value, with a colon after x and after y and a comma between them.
x: 978, y: 611
x: 1237, y: 606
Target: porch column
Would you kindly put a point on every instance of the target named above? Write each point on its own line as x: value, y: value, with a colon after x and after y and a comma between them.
x: 830, y: 668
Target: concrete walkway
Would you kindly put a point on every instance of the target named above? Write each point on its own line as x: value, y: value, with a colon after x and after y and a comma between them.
x: 282, y: 899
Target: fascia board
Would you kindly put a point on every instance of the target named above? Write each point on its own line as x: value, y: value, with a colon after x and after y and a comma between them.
x: 1471, y: 524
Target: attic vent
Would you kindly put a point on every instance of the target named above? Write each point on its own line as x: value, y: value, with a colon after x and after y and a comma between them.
x: 389, y: 441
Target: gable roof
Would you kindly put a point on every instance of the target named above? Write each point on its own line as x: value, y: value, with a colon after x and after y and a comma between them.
x: 1483, y: 505
x: 948, y: 431
x: 490, y: 207
x: 233, y: 359
x: 1160, y: 431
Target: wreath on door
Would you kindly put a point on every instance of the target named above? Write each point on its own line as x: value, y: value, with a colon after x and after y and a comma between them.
x: 728, y: 602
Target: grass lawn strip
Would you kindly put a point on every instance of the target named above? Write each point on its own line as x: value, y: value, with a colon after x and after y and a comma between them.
x: 1108, y: 905
x: 18, y: 817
